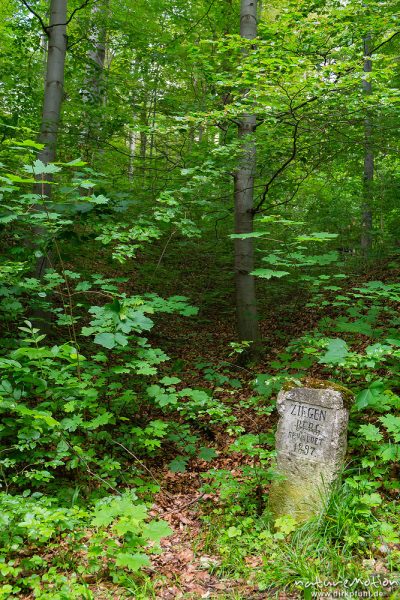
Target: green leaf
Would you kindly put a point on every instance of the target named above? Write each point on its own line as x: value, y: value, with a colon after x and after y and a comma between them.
x: 142, y: 323
x: 371, y: 433
x: 156, y: 530
x: 268, y: 273
x: 17, y: 179
x: 390, y: 452
x: 38, y: 168
x: 121, y: 339
x: 207, y: 453
x: 29, y: 144
x: 107, y: 340
x: 98, y: 199
x: 392, y: 424
x: 170, y: 380
x: 132, y: 562
x: 373, y: 499
x: 178, y: 465
x: 336, y: 352
x: 78, y: 162
x: 103, y: 419
x: 369, y: 396
x: 286, y: 524
x: 114, y: 306
x: 8, y: 218
x: 320, y: 236
x: 245, y: 236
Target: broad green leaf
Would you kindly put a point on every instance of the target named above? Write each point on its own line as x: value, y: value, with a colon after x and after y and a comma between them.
x: 107, y: 340
x: 114, y: 306
x: 178, y: 465
x: 170, y: 380
x: 17, y: 179
x: 78, y: 162
x: 132, y: 562
x: 268, y: 273
x: 336, y: 352
x: 245, y: 236
x: 369, y: 396
x: 98, y: 199
x: 142, y: 323
x: 373, y: 499
x: 207, y: 453
x: 371, y: 432
x: 38, y: 168
x: 103, y: 419
x: 121, y: 339
x: 390, y: 452
x: 156, y: 530
x: 392, y: 424
x: 29, y: 144
x: 320, y: 236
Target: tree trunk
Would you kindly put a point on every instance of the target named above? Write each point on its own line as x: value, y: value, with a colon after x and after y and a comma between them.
x: 132, y: 151
x: 94, y: 89
x: 97, y: 53
x: 368, y: 192
x: 246, y: 306
x: 53, y: 96
x: 54, y: 83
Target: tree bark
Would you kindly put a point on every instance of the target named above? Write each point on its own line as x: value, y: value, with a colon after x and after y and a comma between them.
x: 54, y: 82
x: 368, y: 192
x: 94, y: 91
x: 246, y: 305
x: 52, y: 101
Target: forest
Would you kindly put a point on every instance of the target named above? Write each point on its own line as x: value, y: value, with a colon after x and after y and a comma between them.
x: 198, y: 217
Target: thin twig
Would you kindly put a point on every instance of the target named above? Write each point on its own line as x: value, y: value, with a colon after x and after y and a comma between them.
x: 145, y: 468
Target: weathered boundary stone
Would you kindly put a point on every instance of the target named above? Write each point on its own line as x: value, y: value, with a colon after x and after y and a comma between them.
x: 311, y: 443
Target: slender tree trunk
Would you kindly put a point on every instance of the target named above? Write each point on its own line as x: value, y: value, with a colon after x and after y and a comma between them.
x: 132, y: 151
x: 246, y: 307
x: 143, y: 142
x: 368, y: 192
x: 94, y: 89
x: 96, y: 56
x: 53, y: 96
x: 54, y: 83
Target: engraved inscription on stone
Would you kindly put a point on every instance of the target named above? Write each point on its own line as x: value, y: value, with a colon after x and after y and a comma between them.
x: 308, y: 428
x: 311, y: 446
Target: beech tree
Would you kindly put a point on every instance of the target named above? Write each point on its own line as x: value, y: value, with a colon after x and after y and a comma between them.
x: 54, y: 80
x: 368, y: 180
x: 246, y: 304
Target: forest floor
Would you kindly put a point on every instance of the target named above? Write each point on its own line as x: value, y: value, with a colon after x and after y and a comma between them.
x: 189, y: 565
x: 186, y: 569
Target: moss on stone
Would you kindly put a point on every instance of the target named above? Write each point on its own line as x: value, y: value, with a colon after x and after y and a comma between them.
x: 311, y: 382
x: 302, y: 500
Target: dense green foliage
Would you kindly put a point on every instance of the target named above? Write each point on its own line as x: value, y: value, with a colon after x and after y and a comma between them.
x: 98, y: 401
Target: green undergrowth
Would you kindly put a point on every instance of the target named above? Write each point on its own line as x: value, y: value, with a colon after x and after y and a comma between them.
x: 355, y: 540
x: 354, y: 545
x: 91, y: 405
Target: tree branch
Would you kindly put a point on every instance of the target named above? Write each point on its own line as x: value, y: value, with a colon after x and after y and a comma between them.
x: 384, y: 42
x: 81, y: 7
x: 280, y: 170
x: 47, y: 27
x: 43, y: 26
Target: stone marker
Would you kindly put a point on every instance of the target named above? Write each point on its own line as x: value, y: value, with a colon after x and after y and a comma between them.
x: 311, y: 445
